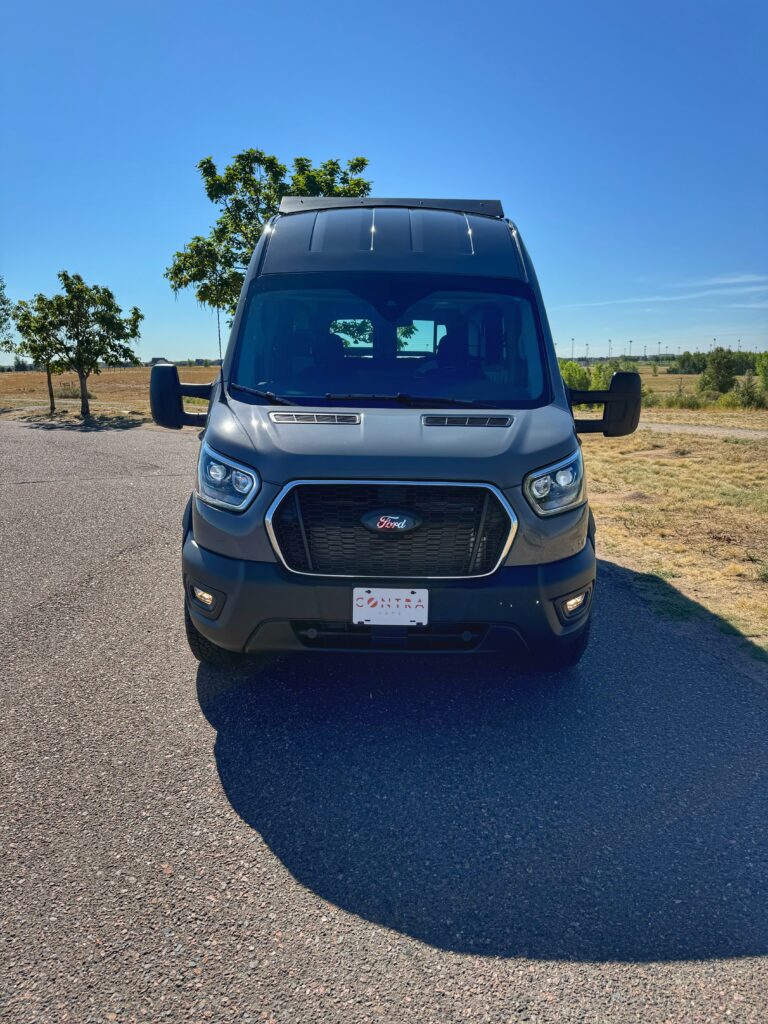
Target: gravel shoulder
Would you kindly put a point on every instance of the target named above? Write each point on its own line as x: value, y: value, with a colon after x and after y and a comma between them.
x: 365, y: 839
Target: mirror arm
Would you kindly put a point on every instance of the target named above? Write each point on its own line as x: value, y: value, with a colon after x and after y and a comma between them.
x: 196, y: 390
x: 195, y: 419
x: 576, y: 397
x: 588, y: 426
x: 590, y: 397
x: 166, y: 398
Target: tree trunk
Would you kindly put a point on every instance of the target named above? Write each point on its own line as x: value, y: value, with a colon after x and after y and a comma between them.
x: 85, y: 409
x: 51, y: 399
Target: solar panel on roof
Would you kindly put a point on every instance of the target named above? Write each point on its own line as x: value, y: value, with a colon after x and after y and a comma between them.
x: 300, y: 204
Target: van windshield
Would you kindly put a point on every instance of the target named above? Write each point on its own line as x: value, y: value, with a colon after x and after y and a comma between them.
x: 378, y: 339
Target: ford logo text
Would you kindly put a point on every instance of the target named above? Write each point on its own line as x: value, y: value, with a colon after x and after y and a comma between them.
x: 390, y: 522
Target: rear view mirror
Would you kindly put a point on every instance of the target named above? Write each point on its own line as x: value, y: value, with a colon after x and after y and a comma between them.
x: 166, y: 398
x: 622, y: 406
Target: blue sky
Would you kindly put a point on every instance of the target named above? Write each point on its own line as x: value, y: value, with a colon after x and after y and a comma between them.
x: 627, y: 141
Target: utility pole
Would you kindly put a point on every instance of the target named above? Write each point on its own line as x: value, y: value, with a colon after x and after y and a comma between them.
x: 587, y: 353
x: 630, y: 348
x: 645, y: 348
x: 572, y: 345
x: 738, y: 349
x: 610, y: 346
x: 659, y: 352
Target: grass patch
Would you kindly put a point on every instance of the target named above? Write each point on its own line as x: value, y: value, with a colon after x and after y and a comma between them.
x: 70, y: 391
x: 698, y: 520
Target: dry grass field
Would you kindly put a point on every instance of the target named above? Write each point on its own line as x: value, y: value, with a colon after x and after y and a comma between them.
x: 688, y: 510
x: 664, y: 383
x: 117, y: 392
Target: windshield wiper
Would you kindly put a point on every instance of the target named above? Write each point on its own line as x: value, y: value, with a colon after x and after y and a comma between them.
x: 270, y: 396
x: 423, y: 400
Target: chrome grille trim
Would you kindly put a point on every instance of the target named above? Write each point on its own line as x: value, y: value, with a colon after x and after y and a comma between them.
x: 288, y: 488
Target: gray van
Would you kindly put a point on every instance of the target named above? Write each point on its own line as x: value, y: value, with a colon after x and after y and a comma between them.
x: 389, y: 460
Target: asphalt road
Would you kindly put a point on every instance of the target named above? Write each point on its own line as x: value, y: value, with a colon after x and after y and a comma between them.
x: 366, y: 839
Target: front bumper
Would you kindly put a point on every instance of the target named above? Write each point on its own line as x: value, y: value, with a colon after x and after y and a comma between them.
x: 263, y: 607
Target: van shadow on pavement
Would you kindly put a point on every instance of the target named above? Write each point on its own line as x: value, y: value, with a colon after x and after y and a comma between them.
x: 618, y: 813
x: 87, y: 425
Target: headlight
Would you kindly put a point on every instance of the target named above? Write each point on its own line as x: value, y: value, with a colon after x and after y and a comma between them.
x: 558, y: 487
x: 225, y: 483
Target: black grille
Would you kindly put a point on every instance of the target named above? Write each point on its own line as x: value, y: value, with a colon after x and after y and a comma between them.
x: 462, y: 533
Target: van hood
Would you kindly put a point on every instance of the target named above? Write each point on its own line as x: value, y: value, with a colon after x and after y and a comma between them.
x: 390, y: 443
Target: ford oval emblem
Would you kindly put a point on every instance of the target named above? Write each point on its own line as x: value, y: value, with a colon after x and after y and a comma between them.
x: 390, y: 522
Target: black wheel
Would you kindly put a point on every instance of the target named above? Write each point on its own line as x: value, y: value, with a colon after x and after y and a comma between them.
x: 206, y: 651
x: 563, y: 652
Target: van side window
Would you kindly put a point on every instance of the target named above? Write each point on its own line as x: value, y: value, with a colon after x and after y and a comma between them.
x: 354, y: 333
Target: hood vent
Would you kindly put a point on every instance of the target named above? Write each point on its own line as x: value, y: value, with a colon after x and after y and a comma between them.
x: 466, y: 421
x: 315, y: 417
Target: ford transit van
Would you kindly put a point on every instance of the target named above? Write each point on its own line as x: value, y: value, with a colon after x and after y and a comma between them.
x: 390, y: 460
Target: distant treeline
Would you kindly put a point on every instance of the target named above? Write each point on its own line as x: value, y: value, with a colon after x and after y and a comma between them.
x: 686, y: 363
x: 20, y: 365
x: 728, y: 379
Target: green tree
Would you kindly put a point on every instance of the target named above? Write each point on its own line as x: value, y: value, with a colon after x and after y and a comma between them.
x: 743, y: 362
x: 574, y: 375
x: 750, y: 395
x: 720, y: 374
x: 689, y: 362
x: 92, y: 330
x: 37, y: 322
x: 247, y: 194
x: 600, y: 377
x: 761, y: 367
x: 6, y: 320
x: 360, y: 332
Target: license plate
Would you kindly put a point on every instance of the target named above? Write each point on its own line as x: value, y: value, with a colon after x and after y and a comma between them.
x: 389, y: 606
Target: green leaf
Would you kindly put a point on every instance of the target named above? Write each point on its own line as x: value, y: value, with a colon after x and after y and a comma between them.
x: 247, y: 194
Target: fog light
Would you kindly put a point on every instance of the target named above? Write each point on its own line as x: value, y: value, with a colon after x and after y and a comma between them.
x: 203, y: 596
x: 572, y: 605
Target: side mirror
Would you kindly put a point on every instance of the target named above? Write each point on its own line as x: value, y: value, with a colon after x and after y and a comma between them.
x: 166, y: 394
x: 622, y: 406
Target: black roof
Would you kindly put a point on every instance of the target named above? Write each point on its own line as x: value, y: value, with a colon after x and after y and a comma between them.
x: 364, y: 236
x: 299, y: 204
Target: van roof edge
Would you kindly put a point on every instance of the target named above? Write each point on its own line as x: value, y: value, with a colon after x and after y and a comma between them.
x: 301, y: 204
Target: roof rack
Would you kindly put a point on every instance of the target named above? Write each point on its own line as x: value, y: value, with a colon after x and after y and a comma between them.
x: 300, y: 204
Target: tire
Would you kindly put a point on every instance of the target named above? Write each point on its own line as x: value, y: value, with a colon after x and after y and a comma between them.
x: 205, y: 650
x: 562, y: 653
